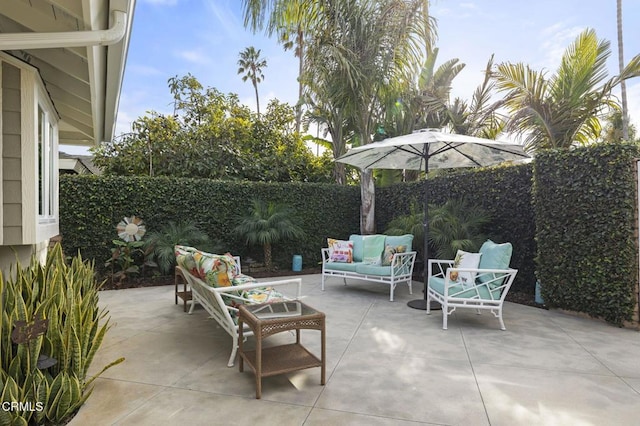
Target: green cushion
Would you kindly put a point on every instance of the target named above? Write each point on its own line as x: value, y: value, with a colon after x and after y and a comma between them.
x: 373, y: 248
x: 383, y: 271
x: 437, y: 284
x: 400, y: 240
x: 494, y: 256
x: 338, y: 266
x: 358, y: 247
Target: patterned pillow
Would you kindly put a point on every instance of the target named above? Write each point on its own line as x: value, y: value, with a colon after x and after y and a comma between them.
x: 184, y: 258
x: 465, y: 260
x: 340, y: 251
x: 389, y: 251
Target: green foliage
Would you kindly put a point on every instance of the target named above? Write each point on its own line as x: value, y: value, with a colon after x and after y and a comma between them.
x: 456, y: 225
x: 503, y: 192
x: 66, y: 296
x: 585, y: 216
x: 266, y: 224
x: 126, y: 259
x: 161, y: 243
x: 563, y: 109
x: 215, y: 207
x: 411, y: 223
x: 212, y: 135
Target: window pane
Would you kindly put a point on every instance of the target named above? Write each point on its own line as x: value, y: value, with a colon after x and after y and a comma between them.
x: 41, y: 161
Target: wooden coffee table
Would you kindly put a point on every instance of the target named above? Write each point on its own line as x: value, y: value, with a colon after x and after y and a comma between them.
x: 268, y: 319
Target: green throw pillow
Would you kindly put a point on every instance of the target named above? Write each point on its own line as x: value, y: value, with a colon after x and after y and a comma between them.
x: 373, y: 247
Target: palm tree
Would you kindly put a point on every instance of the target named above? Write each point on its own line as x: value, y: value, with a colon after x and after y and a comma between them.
x: 367, y: 46
x: 267, y: 224
x: 251, y: 64
x: 623, y: 85
x: 288, y: 19
x: 560, y: 110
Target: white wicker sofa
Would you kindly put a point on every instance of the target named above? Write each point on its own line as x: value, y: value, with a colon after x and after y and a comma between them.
x: 221, y: 302
x: 399, y: 257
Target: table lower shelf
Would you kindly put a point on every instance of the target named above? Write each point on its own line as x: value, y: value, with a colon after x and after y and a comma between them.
x: 282, y: 359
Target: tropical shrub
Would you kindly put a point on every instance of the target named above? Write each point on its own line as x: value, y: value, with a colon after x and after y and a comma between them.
x: 65, y: 297
x: 267, y: 224
x: 161, y: 243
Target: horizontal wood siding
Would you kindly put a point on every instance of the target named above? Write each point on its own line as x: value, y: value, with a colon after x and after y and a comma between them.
x: 11, y: 156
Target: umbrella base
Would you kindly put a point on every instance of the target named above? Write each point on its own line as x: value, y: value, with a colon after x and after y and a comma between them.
x: 422, y: 305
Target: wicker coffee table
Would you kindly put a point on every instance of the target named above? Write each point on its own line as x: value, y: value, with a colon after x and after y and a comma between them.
x: 268, y: 319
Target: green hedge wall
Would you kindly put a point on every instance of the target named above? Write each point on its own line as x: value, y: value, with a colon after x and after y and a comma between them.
x: 504, y: 191
x: 585, y: 212
x: 92, y: 206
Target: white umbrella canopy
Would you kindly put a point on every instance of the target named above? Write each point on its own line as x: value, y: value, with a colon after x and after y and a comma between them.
x: 441, y: 151
x: 431, y: 149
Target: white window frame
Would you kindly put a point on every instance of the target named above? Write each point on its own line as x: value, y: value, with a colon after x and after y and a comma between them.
x: 47, y: 147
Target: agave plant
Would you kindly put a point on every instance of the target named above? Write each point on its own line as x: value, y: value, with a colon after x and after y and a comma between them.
x: 50, y: 310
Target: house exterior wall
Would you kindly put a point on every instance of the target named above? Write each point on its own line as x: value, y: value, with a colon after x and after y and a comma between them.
x: 28, y: 155
x: 11, y: 156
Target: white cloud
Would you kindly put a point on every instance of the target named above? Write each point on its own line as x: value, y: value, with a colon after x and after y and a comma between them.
x: 196, y: 56
x: 144, y: 70
x: 557, y: 38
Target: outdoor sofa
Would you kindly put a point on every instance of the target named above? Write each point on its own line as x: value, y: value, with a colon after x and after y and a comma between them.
x: 218, y: 285
x: 383, y: 259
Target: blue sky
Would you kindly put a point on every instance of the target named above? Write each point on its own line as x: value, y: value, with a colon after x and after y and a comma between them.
x: 204, y: 38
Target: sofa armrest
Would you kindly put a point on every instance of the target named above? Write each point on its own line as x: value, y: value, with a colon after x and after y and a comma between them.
x: 325, y: 254
x: 402, y: 263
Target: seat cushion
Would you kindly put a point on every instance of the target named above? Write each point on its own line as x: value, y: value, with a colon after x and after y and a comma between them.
x: 337, y: 266
x: 466, y: 291
x: 366, y: 269
x: 494, y: 256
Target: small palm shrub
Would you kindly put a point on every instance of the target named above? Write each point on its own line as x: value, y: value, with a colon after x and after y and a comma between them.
x: 67, y: 297
x: 267, y: 224
x: 162, y: 242
x: 457, y: 225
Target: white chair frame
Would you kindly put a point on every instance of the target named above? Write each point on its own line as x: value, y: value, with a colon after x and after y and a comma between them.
x: 210, y: 298
x: 450, y: 300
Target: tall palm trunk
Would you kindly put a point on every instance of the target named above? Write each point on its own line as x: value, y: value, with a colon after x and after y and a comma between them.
x: 300, y: 71
x: 255, y: 86
x: 623, y: 85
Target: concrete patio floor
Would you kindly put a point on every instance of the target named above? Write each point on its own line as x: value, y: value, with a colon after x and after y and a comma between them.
x: 387, y: 364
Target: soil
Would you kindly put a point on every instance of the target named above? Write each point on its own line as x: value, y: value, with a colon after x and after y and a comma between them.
x: 515, y: 297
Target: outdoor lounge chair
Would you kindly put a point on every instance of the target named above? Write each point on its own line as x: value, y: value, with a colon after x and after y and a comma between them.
x: 484, y: 287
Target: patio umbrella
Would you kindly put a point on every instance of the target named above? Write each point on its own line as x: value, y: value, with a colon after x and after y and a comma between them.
x: 431, y: 149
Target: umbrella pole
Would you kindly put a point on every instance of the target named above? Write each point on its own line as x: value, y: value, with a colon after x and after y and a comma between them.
x: 422, y: 303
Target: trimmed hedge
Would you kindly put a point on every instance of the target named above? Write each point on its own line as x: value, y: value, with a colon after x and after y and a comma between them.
x: 503, y: 191
x: 585, y: 210
x: 92, y: 206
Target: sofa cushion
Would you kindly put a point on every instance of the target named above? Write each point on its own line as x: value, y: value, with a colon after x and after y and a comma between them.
x: 366, y: 269
x: 400, y: 240
x: 214, y: 269
x: 373, y: 248
x: 358, y: 247
x: 336, y: 266
x: 494, y: 256
x: 340, y: 251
